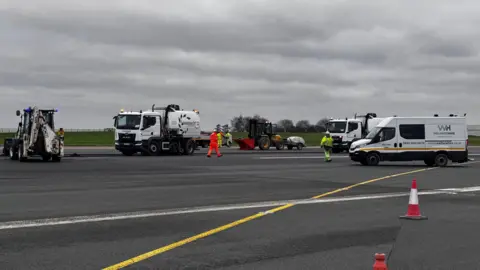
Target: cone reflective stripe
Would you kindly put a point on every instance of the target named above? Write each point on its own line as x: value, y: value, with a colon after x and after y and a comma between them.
x: 413, y: 211
x: 380, y: 262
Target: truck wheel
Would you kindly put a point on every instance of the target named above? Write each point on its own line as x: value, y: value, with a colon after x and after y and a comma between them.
x: 290, y: 147
x: 56, y: 158
x: 373, y: 159
x: 13, y: 153
x: 299, y: 146
x: 264, y: 143
x: 154, y: 148
x: 364, y: 162
x: 20, y: 154
x: 189, y: 147
x: 441, y: 160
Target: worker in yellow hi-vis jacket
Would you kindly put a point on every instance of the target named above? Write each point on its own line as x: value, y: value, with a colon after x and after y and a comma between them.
x: 220, y: 137
x: 327, y: 144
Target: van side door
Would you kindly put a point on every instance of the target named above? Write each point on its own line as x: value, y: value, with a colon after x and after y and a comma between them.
x: 386, y: 142
x: 411, y: 140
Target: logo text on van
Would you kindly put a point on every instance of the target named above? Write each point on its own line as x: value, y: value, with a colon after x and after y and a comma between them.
x: 445, y: 127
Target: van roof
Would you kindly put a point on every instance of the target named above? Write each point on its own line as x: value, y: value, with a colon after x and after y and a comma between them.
x: 425, y: 117
x: 385, y: 121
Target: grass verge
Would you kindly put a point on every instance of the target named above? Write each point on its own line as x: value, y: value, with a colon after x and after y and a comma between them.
x: 107, y: 138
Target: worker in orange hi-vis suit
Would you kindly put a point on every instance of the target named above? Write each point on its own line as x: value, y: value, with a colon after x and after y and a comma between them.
x: 214, y: 144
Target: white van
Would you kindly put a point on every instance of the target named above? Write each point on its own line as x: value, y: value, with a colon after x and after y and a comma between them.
x: 435, y: 140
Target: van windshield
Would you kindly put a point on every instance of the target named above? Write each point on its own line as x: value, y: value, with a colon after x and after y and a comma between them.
x: 373, y: 133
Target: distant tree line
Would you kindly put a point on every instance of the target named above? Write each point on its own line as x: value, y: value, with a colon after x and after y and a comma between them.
x: 240, y: 124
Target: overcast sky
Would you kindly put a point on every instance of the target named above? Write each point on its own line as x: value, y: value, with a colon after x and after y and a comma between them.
x: 278, y: 58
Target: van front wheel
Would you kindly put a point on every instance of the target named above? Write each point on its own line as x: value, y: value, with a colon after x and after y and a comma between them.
x: 373, y: 159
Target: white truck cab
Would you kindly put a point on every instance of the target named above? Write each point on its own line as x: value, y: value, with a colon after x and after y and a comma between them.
x: 345, y: 131
x: 133, y: 129
x: 435, y: 140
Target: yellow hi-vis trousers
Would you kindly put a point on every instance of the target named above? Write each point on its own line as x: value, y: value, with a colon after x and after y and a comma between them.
x: 327, y: 151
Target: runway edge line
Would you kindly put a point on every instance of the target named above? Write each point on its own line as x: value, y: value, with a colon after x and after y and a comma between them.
x: 180, y: 243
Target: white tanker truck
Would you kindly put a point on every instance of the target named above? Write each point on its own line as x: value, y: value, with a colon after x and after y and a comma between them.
x: 161, y: 129
x: 345, y: 131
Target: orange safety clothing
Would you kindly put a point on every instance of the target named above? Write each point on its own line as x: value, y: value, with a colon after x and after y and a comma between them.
x: 213, y: 138
x: 213, y: 145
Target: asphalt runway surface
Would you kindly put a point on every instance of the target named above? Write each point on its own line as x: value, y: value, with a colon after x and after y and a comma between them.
x: 92, y: 212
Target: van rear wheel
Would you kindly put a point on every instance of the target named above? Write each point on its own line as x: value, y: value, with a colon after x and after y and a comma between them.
x: 441, y: 160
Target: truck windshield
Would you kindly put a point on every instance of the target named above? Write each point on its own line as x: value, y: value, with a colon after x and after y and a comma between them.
x: 128, y: 121
x: 373, y: 133
x: 337, y: 127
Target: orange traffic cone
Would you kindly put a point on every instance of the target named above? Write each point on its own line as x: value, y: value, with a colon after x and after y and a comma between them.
x: 413, y: 211
x: 380, y: 262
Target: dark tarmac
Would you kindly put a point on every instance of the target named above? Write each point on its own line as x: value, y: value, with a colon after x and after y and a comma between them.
x: 143, y: 197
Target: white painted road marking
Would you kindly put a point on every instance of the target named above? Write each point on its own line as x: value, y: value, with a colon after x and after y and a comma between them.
x: 144, y: 214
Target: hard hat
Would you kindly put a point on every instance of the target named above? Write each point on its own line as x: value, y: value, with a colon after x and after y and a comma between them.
x: 327, y: 133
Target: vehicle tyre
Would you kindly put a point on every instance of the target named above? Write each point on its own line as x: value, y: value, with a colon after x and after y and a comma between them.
x: 20, y: 154
x: 290, y: 147
x: 46, y: 157
x: 373, y: 159
x: 441, y: 160
x: 364, y: 162
x: 189, y: 147
x: 264, y: 143
x: 299, y: 146
x: 154, y: 148
x: 56, y: 158
x: 280, y: 146
x: 13, y: 153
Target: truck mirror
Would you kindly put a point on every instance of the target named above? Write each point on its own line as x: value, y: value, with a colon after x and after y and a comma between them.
x: 18, y: 112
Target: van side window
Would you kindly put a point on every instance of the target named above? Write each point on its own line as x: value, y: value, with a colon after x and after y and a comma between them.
x: 352, y: 126
x: 412, y: 132
x: 387, y: 134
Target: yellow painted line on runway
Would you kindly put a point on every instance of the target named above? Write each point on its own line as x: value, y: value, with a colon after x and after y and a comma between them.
x: 244, y: 220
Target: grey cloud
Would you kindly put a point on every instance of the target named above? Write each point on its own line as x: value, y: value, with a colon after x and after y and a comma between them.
x: 314, y: 58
